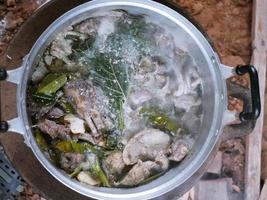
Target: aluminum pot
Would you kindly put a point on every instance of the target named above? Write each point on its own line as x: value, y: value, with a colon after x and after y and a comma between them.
x: 217, y: 122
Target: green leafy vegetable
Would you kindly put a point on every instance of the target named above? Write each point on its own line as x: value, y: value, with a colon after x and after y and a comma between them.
x: 75, y: 147
x: 51, y: 84
x: 54, y: 155
x: 135, y: 28
x: 99, y: 173
x: 92, y: 162
x: 76, y: 172
x: 72, y: 146
x: 121, y: 123
x: 65, y: 146
x: 160, y: 119
x: 44, y: 99
x: 68, y: 108
x: 139, y: 31
x: 47, y: 79
x: 111, y: 142
x: 113, y: 80
x: 41, y: 140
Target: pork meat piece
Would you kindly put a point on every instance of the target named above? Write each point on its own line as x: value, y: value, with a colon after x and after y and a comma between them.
x: 55, y: 113
x: 83, y: 94
x: 146, y: 145
x: 180, y: 148
x: 140, y: 172
x: 114, y: 163
x: 54, y: 130
x: 87, y: 137
x: 71, y: 161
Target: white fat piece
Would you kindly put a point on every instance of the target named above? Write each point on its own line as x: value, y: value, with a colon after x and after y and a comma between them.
x: 76, y: 124
x: 84, y: 177
x: 145, y: 145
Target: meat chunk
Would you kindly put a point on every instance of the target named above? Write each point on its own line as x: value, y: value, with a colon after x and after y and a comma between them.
x: 87, y: 137
x: 146, y: 65
x: 84, y: 96
x: 70, y: 161
x: 146, y: 145
x: 139, y: 97
x: 140, y: 172
x: 186, y: 101
x: 55, y: 113
x: 61, y: 47
x: 89, y: 27
x: 179, y: 149
x: 39, y: 72
x: 114, y: 163
x: 162, y: 160
x: 54, y: 130
x: 81, y: 92
x: 37, y: 111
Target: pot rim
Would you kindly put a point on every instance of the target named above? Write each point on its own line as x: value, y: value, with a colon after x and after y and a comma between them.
x: 177, y: 184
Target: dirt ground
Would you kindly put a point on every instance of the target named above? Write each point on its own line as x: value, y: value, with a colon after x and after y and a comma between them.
x: 227, y: 22
x: 13, y: 16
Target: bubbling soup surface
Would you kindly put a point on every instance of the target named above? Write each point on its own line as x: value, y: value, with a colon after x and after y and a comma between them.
x: 114, y: 102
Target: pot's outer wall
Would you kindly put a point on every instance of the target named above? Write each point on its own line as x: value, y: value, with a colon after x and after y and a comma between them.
x: 19, y: 154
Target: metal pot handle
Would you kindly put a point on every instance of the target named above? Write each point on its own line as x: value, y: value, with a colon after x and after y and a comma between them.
x: 252, y: 105
x: 255, y: 92
x: 16, y: 124
x: 3, y: 126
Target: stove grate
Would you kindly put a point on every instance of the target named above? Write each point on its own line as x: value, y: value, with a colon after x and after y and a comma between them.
x: 10, y: 181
